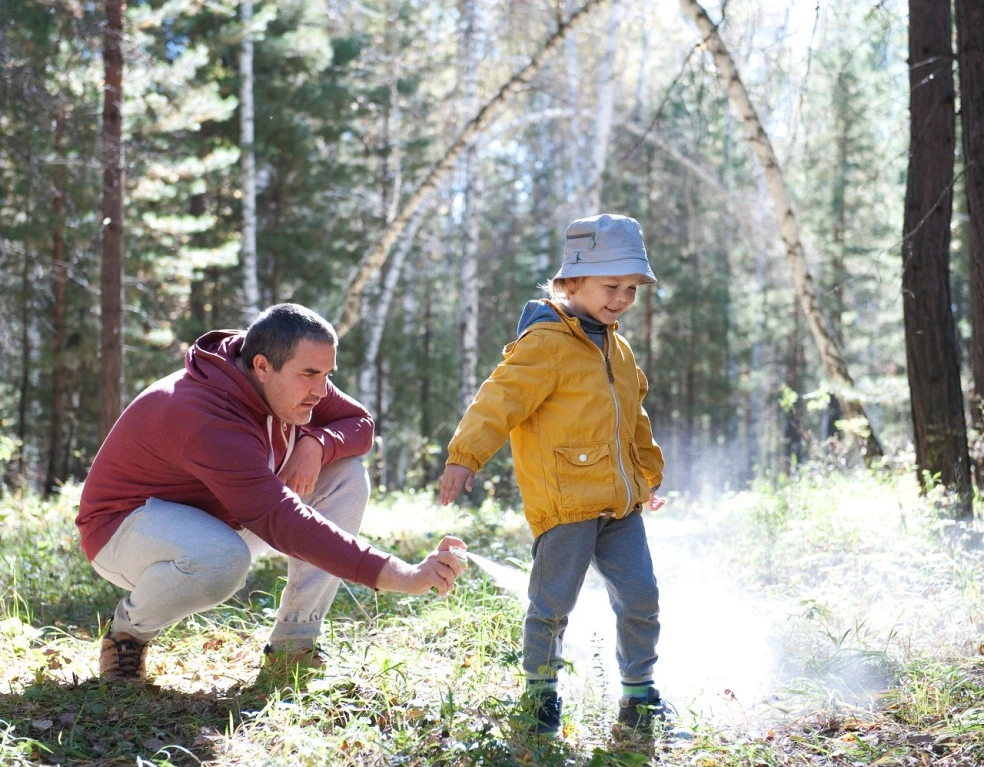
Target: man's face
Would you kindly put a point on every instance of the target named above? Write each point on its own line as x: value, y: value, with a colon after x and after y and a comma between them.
x: 294, y: 390
x: 605, y: 298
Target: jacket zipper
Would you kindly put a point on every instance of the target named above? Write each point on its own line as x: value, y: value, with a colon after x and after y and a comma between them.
x: 618, y: 423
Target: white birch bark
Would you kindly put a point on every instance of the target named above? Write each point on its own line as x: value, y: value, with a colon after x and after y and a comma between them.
x: 830, y: 352
x: 573, y: 186
x: 251, y: 289
x: 605, y: 89
x: 376, y: 257
x: 367, y: 374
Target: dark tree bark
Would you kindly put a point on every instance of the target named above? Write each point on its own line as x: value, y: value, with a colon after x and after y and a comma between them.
x: 111, y: 278
x: 57, y: 455
x: 25, y: 380
x: 793, y: 443
x: 426, y: 425
x: 197, y: 298
x: 970, y: 59
x: 930, y: 334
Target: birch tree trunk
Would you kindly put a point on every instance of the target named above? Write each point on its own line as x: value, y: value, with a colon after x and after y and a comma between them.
x: 368, y: 371
x: 603, y: 113
x: 468, y: 272
x: 931, y: 350
x: 251, y: 290
x: 970, y: 58
x: 111, y: 272
x: 376, y: 257
x: 830, y: 352
x: 570, y: 185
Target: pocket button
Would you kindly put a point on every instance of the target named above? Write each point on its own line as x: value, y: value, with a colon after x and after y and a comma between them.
x: 583, y: 457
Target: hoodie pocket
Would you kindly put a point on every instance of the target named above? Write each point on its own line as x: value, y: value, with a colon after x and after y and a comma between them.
x: 586, y: 478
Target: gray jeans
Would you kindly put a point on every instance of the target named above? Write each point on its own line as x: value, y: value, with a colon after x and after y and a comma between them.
x: 177, y: 560
x: 619, y: 551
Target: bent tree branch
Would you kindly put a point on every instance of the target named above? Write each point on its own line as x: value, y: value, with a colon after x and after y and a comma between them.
x: 376, y: 257
x: 827, y: 345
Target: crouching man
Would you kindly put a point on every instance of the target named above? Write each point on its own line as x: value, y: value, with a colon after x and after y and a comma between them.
x: 249, y: 448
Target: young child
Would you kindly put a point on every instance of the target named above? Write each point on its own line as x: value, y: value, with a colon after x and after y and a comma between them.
x: 569, y: 397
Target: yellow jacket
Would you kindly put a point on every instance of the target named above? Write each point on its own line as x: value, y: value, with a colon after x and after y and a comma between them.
x: 581, y: 441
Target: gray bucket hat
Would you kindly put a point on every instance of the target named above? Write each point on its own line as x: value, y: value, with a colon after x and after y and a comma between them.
x: 605, y: 246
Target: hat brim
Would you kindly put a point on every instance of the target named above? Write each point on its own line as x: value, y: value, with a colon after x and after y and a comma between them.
x: 623, y: 267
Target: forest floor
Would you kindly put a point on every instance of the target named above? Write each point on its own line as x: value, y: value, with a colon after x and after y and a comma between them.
x: 834, y: 619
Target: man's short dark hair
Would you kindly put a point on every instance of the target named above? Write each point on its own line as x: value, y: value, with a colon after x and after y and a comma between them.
x: 277, y: 331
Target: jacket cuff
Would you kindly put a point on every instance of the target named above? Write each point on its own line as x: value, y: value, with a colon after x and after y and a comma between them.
x: 462, y: 459
x: 372, y: 564
x: 328, y: 446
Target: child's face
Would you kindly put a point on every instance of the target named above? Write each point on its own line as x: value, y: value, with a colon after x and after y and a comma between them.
x: 605, y: 298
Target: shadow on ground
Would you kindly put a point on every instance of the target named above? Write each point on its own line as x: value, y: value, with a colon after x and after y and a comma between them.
x: 87, y: 722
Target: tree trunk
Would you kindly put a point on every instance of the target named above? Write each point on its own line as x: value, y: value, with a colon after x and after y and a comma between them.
x: 830, y: 352
x: 376, y: 323
x: 930, y: 334
x: 793, y: 430
x: 486, y: 115
x: 251, y: 290
x: 468, y: 272
x: 197, y: 297
x: 603, y: 112
x: 111, y: 276
x: 838, y: 272
x: 57, y: 458
x: 25, y: 380
x: 570, y: 181
x: 689, y: 419
x: 970, y: 59
x: 426, y: 424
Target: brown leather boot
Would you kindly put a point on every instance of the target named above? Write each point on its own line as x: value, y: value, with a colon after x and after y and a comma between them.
x: 122, y: 658
x: 288, y: 657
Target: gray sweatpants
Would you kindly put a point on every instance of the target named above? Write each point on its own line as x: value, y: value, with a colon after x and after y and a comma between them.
x: 177, y: 560
x: 620, y: 553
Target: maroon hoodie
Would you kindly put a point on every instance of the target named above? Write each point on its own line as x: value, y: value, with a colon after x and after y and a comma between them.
x: 200, y: 437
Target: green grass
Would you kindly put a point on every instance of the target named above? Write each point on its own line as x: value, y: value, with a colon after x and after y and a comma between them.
x: 880, y: 607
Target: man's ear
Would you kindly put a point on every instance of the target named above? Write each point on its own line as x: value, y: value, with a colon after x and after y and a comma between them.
x: 261, y: 367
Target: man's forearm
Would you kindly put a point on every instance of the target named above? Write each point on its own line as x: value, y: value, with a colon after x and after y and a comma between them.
x: 395, y: 576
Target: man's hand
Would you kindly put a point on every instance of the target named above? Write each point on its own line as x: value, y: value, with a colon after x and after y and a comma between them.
x: 438, y: 571
x: 454, y: 477
x: 301, y: 471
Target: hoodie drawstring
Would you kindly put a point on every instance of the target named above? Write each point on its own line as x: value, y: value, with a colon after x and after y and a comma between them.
x: 290, y: 445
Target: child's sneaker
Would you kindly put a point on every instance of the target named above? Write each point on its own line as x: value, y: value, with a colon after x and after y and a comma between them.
x: 642, y: 713
x: 545, y: 707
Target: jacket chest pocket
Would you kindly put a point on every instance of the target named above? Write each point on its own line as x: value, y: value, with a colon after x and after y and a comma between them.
x: 585, y: 476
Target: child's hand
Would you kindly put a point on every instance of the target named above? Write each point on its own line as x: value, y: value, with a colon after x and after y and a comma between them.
x: 454, y: 477
x: 655, y: 502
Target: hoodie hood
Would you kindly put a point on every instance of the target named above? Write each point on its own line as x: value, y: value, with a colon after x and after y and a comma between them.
x: 211, y: 360
x: 534, y: 312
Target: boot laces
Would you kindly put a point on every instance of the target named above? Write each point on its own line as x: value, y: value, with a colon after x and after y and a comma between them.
x: 129, y: 654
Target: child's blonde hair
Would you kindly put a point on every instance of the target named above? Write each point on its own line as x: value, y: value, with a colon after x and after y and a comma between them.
x: 563, y: 287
